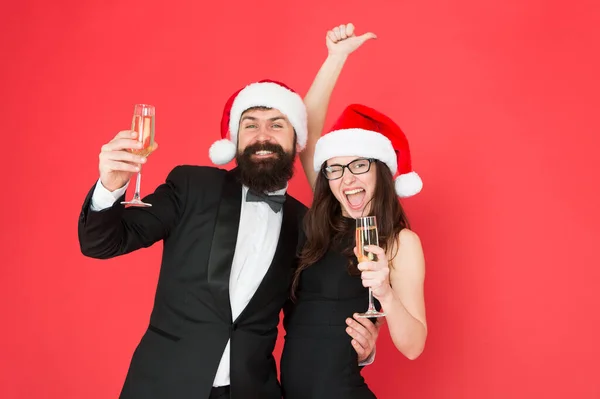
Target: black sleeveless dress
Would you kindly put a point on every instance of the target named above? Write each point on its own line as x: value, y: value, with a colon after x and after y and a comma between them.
x: 318, y: 360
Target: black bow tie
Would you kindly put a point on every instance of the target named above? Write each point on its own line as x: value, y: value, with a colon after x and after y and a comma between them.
x: 274, y: 201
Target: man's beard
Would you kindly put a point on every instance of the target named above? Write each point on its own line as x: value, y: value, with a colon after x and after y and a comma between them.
x: 267, y: 174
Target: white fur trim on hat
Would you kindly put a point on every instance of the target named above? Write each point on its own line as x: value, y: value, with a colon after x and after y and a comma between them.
x: 222, y: 152
x: 408, y: 184
x: 355, y: 142
x: 272, y: 95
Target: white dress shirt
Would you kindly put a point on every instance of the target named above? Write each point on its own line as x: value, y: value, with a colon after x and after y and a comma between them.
x: 257, y: 240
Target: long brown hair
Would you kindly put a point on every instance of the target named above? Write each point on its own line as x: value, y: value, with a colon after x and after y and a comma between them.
x: 325, y: 226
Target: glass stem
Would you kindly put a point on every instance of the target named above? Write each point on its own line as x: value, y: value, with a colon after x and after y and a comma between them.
x: 371, y: 305
x: 136, y: 195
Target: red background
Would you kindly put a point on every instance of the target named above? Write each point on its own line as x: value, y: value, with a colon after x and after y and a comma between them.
x: 500, y: 103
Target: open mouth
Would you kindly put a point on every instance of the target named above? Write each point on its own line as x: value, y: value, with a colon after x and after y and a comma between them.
x: 263, y: 154
x: 355, y: 198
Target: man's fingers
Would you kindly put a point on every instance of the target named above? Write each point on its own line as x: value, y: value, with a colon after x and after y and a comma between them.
x: 366, y: 324
x: 362, y: 326
x: 125, y: 134
x: 360, y: 350
x: 361, y: 339
x: 122, y: 144
x: 364, y: 334
x: 122, y: 156
x: 121, y: 166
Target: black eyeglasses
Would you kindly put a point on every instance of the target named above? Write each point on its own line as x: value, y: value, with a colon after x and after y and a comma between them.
x: 356, y: 167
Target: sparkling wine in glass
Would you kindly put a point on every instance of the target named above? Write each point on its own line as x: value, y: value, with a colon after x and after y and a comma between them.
x: 366, y: 234
x: 143, y: 124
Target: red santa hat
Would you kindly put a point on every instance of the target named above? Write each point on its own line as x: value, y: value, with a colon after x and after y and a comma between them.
x: 364, y: 132
x: 266, y: 93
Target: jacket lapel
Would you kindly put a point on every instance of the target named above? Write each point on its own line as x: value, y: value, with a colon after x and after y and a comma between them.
x: 280, y: 270
x: 224, y: 239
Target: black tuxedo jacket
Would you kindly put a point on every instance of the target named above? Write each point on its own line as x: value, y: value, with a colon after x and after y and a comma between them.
x: 196, y: 213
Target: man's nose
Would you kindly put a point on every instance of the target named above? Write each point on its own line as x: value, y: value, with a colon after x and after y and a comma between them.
x: 263, y: 134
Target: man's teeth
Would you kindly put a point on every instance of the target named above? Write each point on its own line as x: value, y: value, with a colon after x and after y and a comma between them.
x: 263, y: 152
x: 356, y: 190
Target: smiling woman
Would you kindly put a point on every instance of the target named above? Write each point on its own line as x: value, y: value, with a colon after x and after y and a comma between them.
x: 353, y: 190
x: 356, y: 162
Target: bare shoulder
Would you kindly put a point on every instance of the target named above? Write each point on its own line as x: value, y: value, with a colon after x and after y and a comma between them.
x: 410, y: 252
x: 409, y: 240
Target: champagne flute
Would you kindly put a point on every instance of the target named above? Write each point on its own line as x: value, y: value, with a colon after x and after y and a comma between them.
x: 143, y: 124
x: 366, y: 234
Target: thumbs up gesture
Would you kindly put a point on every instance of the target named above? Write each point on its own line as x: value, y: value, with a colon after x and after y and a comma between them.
x: 341, y: 40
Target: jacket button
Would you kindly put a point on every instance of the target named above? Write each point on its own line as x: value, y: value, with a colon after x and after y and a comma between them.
x: 234, y: 327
